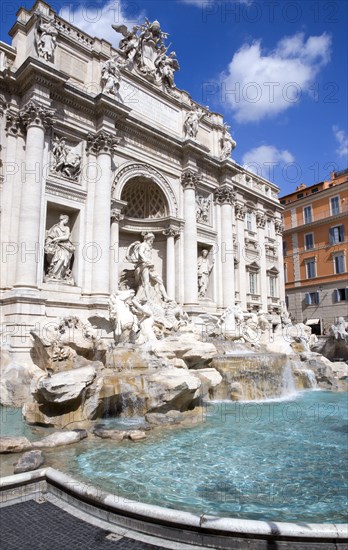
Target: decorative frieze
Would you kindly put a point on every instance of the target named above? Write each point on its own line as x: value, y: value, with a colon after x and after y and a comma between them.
x: 66, y: 161
x: 202, y: 209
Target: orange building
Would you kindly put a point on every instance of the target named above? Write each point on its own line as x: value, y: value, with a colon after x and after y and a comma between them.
x: 315, y: 245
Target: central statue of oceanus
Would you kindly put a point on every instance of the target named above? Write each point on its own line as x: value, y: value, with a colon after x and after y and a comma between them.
x: 149, y: 283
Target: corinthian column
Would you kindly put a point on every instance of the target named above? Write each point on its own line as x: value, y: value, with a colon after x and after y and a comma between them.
x: 189, y: 182
x: 103, y: 145
x: 171, y: 233
x: 225, y: 197
x: 35, y: 119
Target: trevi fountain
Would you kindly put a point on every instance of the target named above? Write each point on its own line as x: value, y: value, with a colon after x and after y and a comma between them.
x: 166, y: 375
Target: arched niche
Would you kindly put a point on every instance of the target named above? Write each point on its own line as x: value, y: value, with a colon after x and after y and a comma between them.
x: 139, y: 172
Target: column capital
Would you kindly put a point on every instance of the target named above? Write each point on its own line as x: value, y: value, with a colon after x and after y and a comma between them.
x: 224, y: 195
x: 260, y: 220
x: 34, y: 114
x: 14, y: 126
x: 102, y: 142
x: 190, y: 179
x: 171, y: 232
x: 240, y: 211
x: 115, y: 215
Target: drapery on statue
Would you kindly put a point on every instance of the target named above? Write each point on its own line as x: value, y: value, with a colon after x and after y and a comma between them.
x: 144, y: 49
x: 227, y: 143
x: 146, y: 277
x: 59, y: 250
x: 192, y: 120
x: 45, y: 39
x: 111, y: 76
x: 204, y: 268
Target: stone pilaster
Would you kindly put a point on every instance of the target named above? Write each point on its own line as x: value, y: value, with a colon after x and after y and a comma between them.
x: 263, y: 282
x: 36, y: 119
x: 171, y: 233
x: 226, y: 197
x: 102, y: 144
x: 116, y: 217
x: 189, y: 181
x: 13, y: 128
x: 279, y: 227
x: 240, y: 212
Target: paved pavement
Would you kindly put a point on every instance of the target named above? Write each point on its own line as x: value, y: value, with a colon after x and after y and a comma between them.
x: 33, y: 526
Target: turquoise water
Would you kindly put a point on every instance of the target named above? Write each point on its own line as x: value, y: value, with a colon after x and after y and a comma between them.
x: 278, y: 460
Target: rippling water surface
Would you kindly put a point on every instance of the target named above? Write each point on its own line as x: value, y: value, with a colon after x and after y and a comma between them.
x: 284, y: 461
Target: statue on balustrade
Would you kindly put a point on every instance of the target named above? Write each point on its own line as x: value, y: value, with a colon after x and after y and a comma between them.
x: 227, y: 143
x: 192, y: 120
x: 45, y: 39
x: 59, y: 251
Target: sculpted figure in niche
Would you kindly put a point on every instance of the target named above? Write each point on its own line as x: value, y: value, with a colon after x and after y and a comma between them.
x: 203, y: 273
x: 146, y: 277
x: 45, y: 39
x: 59, y: 250
x: 227, y: 143
x: 192, y: 120
x: 66, y: 161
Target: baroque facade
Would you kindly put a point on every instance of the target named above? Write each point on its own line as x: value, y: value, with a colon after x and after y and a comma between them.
x: 100, y: 148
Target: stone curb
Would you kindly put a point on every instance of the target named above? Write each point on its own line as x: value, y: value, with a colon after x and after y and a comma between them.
x: 176, y: 519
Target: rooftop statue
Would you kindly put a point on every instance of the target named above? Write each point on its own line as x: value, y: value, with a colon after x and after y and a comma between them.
x: 227, y: 143
x: 144, y: 49
x: 45, y: 39
x: 192, y: 120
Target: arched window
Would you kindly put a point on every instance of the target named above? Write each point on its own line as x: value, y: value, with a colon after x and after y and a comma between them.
x: 145, y: 199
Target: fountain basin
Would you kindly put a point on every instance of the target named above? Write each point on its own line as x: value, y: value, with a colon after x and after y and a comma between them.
x: 183, y: 527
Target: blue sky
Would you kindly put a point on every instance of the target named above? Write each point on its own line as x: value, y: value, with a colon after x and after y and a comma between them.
x: 276, y: 70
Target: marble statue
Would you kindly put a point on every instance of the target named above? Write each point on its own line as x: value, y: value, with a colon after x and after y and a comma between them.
x: 339, y: 329
x: 129, y: 43
x: 59, y: 250
x: 166, y: 67
x: 227, y: 143
x: 192, y: 120
x: 147, y: 279
x: 111, y: 76
x: 66, y: 161
x: 204, y: 268
x: 45, y: 39
x: 124, y: 320
x: 202, y: 209
x: 143, y: 48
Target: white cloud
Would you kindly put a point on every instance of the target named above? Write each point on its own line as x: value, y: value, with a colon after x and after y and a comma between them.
x: 266, y: 160
x: 342, y: 139
x: 96, y: 20
x: 258, y: 84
